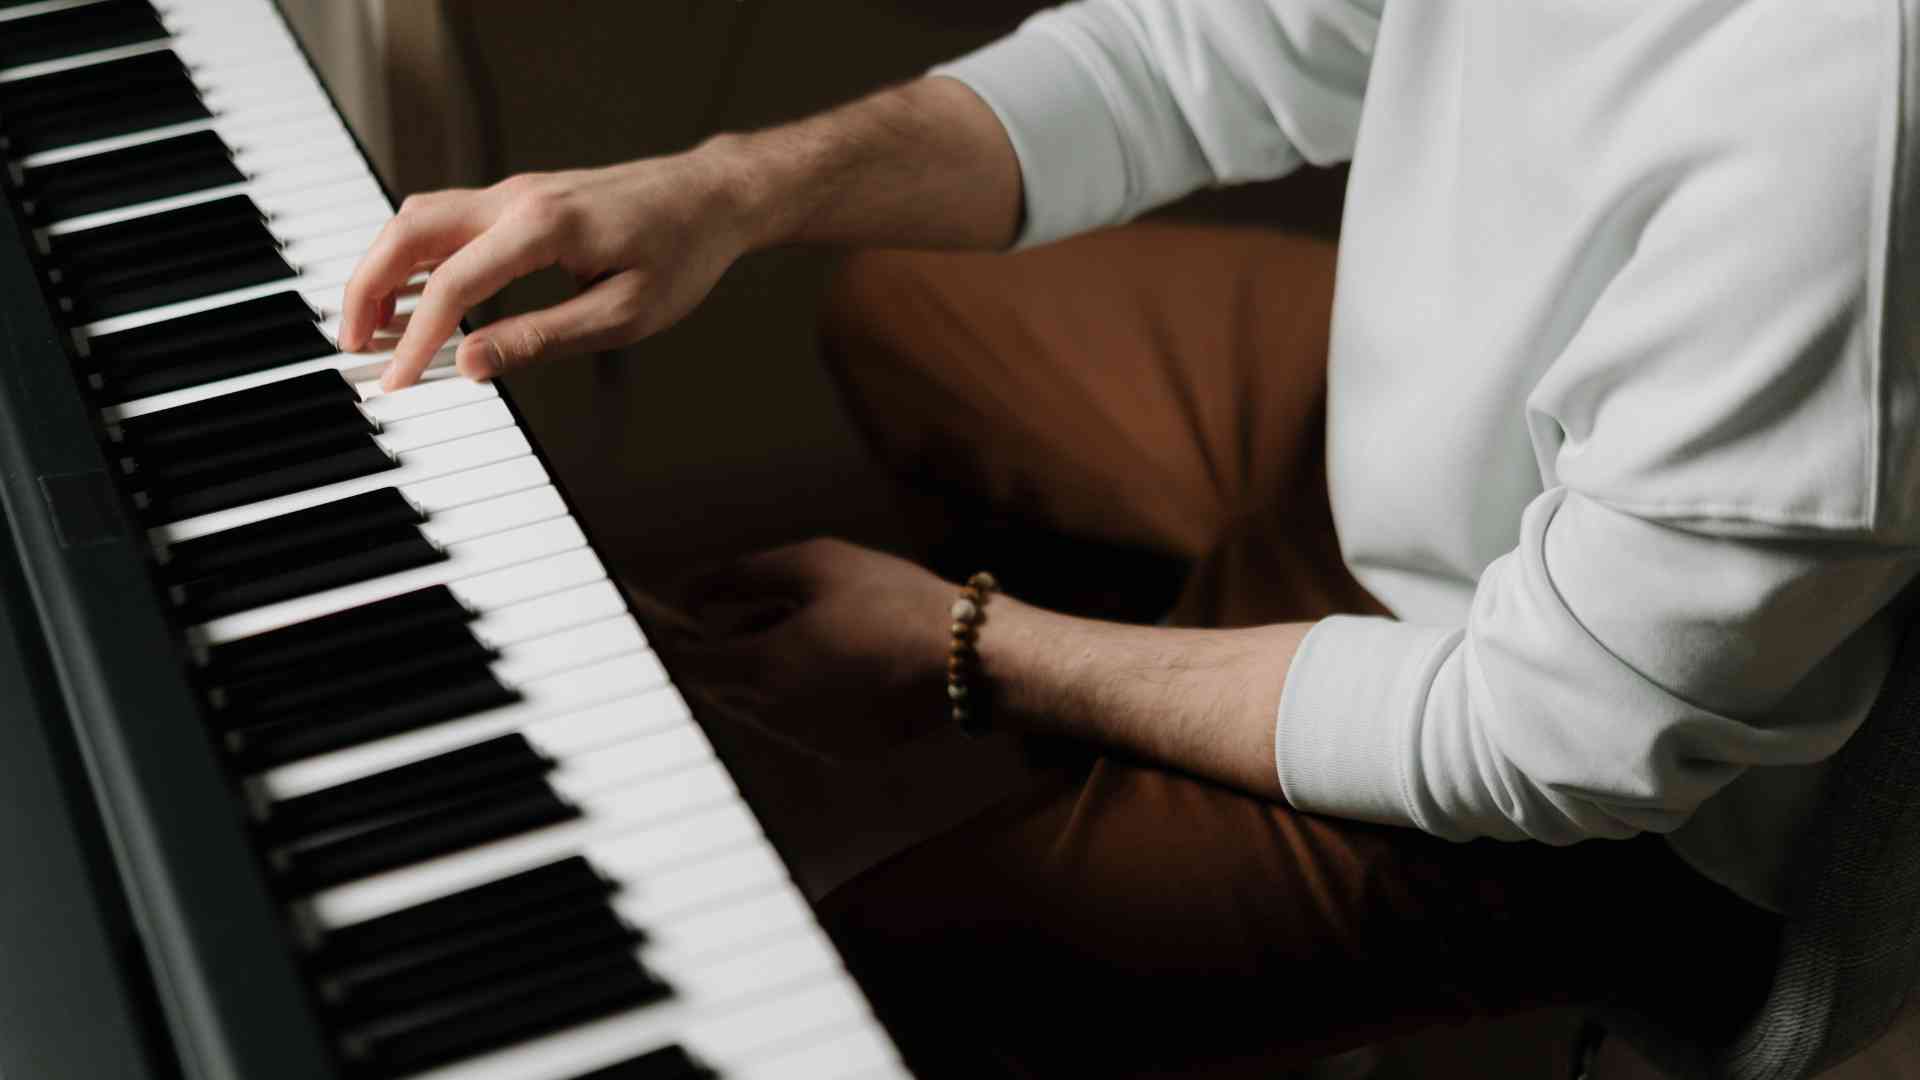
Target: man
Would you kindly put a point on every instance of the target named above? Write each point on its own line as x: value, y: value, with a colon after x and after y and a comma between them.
x: 1619, y: 432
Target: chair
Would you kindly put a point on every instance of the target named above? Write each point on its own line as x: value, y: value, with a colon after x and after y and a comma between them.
x: 1850, y: 948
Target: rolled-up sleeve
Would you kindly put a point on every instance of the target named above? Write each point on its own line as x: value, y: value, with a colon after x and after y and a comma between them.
x: 1614, y: 673
x: 1117, y: 106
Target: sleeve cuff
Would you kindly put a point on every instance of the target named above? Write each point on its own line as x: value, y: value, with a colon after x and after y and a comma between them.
x: 1072, y: 167
x: 1343, y: 730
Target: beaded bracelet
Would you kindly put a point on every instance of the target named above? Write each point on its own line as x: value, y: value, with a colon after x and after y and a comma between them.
x: 963, y: 660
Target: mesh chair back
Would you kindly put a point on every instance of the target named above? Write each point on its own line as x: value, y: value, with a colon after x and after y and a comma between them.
x: 1850, y: 947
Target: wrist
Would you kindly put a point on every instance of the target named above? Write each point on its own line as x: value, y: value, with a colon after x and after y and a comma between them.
x: 1021, y: 650
x: 756, y: 187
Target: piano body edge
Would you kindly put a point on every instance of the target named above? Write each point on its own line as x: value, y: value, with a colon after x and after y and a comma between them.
x: 228, y: 986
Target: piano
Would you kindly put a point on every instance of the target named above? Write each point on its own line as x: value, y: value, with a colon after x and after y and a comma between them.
x: 331, y: 751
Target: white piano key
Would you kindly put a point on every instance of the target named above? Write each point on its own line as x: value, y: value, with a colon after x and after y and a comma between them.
x: 746, y: 874
x: 656, y: 710
x: 572, y: 705
x: 784, y: 1021
x: 606, y: 816
x: 692, y: 932
x: 536, y: 618
x: 463, y: 560
x: 426, y: 463
x: 226, y: 95
x: 217, y: 17
x: 836, y: 1053
x: 355, y: 209
x: 489, y: 592
x: 428, y: 429
x: 444, y: 389
x: 583, y: 776
x: 232, y: 28
x: 260, y: 156
x: 79, y: 60
x: 476, y: 485
x: 304, y: 252
x: 474, y: 520
x: 43, y: 7
x: 244, y: 76
x: 567, y: 649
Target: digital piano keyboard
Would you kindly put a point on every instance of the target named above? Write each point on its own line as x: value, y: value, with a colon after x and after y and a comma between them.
x: 331, y: 750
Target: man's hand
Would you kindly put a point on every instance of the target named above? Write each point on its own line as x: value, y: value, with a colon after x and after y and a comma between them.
x: 836, y: 647
x: 843, y: 650
x: 922, y: 165
x: 648, y: 239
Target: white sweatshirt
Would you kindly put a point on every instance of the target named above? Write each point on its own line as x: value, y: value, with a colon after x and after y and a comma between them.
x: 1622, y: 424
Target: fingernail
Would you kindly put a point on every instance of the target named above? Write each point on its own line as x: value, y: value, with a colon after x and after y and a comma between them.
x: 486, y: 357
x: 388, y: 377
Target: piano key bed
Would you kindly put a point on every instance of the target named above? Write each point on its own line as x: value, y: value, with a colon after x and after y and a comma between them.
x: 502, y: 845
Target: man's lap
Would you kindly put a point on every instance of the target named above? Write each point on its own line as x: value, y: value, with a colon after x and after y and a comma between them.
x: 1163, y: 387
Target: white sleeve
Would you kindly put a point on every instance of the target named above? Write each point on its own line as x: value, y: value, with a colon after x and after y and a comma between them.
x: 1117, y: 106
x: 1613, y: 674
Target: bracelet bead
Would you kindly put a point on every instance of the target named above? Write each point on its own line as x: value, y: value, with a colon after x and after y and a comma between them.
x: 963, y: 662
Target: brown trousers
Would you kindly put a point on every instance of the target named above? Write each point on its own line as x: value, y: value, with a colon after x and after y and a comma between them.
x: 1164, y: 387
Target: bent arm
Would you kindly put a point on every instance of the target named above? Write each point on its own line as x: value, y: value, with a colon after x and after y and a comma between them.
x: 925, y: 164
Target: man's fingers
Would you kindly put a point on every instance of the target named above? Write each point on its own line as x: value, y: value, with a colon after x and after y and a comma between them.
x: 512, y: 249
x: 784, y: 573
x: 427, y: 228
x: 597, y: 319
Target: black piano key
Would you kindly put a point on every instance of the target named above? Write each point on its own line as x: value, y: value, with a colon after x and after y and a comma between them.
x: 266, y: 745
x: 202, y: 464
x: 453, y: 775
x: 248, y: 257
x: 271, y: 541
x: 97, y: 101
x: 368, y: 555
x: 337, y: 982
x: 565, y: 885
x: 106, y: 247
x: 532, y: 949
x: 135, y: 174
x: 161, y: 258
x: 669, y: 1062
x: 218, y: 419
x: 392, y: 621
x: 364, y: 459
x: 351, y: 682
x: 529, y: 1008
x: 188, y: 255
x: 23, y: 99
x: 178, y: 340
x: 234, y: 339
x: 508, y: 811
x: 72, y: 31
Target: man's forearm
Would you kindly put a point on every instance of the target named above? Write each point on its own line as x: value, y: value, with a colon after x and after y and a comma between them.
x: 1202, y: 701
x: 925, y: 164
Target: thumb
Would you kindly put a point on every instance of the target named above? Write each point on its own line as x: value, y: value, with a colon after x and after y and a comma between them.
x: 599, y: 318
